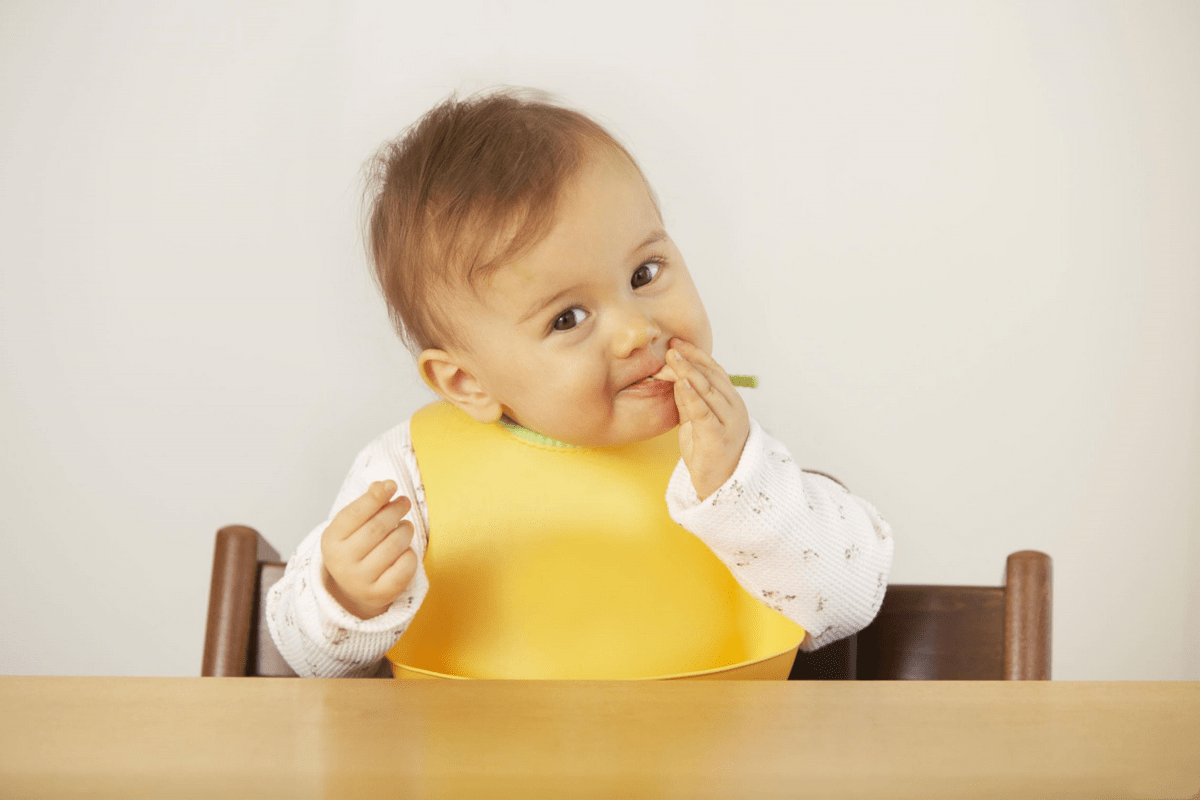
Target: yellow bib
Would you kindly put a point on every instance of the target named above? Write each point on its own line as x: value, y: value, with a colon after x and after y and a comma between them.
x: 559, y: 562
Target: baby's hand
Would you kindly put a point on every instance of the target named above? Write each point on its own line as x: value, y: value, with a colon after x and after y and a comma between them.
x: 713, y: 421
x: 368, y: 561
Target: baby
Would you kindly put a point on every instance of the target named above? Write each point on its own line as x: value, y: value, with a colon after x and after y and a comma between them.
x: 590, y: 487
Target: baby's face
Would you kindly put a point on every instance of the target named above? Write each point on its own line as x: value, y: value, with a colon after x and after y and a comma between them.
x: 563, y: 337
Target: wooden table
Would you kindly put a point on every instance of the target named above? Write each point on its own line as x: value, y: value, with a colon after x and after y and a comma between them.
x: 260, y: 737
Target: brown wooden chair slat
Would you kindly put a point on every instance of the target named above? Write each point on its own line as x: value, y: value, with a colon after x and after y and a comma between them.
x: 236, y: 641
x: 928, y: 632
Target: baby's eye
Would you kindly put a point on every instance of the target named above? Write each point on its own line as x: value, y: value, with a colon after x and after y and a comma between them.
x: 645, y: 273
x: 569, y: 319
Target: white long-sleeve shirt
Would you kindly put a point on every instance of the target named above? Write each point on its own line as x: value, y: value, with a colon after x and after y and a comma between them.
x: 797, y: 540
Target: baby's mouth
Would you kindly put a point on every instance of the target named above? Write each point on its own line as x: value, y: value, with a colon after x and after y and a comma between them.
x: 664, y: 374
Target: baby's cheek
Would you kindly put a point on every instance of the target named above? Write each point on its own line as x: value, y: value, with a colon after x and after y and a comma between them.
x: 593, y: 385
x: 696, y: 329
x: 704, y: 337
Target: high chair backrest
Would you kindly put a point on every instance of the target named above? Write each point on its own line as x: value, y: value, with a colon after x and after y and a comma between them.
x: 950, y: 632
x: 921, y: 632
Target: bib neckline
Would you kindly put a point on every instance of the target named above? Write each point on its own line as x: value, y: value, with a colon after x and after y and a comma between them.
x: 521, y: 432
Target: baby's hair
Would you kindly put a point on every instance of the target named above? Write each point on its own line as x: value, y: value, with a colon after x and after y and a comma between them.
x: 467, y: 188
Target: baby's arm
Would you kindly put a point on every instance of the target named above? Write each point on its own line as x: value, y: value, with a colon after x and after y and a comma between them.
x: 316, y: 635
x: 797, y: 541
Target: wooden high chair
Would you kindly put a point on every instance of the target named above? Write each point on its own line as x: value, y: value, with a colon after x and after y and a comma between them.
x: 950, y: 632
x: 921, y: 632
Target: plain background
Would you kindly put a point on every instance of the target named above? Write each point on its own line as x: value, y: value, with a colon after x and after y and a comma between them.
x: 957, y: 242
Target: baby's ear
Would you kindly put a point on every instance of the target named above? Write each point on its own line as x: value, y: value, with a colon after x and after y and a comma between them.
x: 449, y: 377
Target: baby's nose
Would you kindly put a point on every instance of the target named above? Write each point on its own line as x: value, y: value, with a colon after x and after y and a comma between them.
x: 638, y: 332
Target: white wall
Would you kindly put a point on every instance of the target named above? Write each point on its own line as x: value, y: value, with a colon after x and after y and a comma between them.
x: 957, y: 242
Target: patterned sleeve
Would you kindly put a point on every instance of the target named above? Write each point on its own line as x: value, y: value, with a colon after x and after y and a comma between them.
x: 798, y: 541
x: 314, y: 634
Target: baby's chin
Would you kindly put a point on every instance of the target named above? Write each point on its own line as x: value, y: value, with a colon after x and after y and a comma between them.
x: 640, y: 430
x: 651, y: 426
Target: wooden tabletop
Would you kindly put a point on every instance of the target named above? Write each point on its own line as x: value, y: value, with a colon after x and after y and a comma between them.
x: 262, y: 737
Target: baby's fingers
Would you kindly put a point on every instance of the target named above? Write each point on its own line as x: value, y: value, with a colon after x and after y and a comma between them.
x: 692, y: 407
x: 396, y: 578
x: 695, y: 384
x: 359, y: 511
x: 360, y: 544
x: 702, y: 362
x: 381, y: 580
x: 386, y: 550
